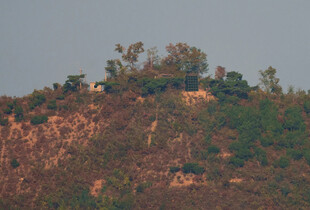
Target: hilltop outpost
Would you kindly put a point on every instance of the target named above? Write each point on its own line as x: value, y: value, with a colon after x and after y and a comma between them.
x: 147, y: 143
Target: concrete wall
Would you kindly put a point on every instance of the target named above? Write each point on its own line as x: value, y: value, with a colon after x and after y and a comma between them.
x: 92, y: 88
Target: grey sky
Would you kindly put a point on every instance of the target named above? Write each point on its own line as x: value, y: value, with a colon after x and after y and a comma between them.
x: 41, y: 42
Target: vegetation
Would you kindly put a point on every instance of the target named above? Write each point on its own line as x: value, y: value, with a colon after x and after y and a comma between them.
x: 145, y: 144
x: 192, y: 168
x: 14, y: 163
x: 39, y: 119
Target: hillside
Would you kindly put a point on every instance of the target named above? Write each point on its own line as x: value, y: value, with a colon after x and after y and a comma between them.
x: 145, y: 143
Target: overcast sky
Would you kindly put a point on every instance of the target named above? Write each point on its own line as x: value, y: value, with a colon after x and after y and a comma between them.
x: 43, y: 41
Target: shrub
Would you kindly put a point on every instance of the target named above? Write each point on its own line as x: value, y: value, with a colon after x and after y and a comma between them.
x: 292, y: 138
x: 39, y: 119
x: 192, y: 168
x: 174, y: 169
x: 7, y: 110
x: 307, y: 106
x: 269, y: 118
x: 19, y: 114
x: 73, y: 82
x: 11, y: 105
x: 4, y: 121
x: 261, y: 156
x: 141, y: 187
x: 295, y: 154
x: 36, y: 100
x: 285, y: 190
x: 283, y: 162
x: 266, y: 141
x: 293, y: 119
x: 152, y: 118
x: 241, y: 150
x: 52, y: 105
x: 213, y: 149
x: 306, y: 154
x: 60, y: 97
x: 56, y: 86
x: 14, y: 163
x: 111, y: 87
x: 237, y: 162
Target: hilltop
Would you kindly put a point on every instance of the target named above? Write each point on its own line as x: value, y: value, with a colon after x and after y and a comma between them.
x: 146, y: 143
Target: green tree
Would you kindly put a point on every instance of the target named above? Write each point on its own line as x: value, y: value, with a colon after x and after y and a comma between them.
x: 19, y: 113
x: 233, y: 85
x: 293, y: 119
x: 269, y: 81
x: 73, y: 82
x: 114, y: 67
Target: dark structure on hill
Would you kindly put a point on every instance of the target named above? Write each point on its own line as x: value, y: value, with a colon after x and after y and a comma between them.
x: 191, y: 82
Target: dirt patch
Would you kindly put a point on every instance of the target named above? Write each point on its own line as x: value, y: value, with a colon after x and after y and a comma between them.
x: 153, y: 128
x: 197, y: 96
x: 225, y: 155
x: 95, y: 189
x: 140, y: 99
x: 235, y: 180
x: 182, y: 180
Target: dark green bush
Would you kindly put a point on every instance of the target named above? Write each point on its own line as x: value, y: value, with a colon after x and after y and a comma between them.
x: 213, y: 149
x: 39, y: 119
x: 60, y: 97
x: 73, y: 83
x: 152, y: 118
x: 244, y: 153
x: 52, y: 105
x: 285, y: 190
x: 306, y: 154
x: 282, y: 162
x: 233, y: 85
x: 7, y: 110
x: 269, y: 118
x: 14, y: 163
x: 237, y: 162
x: 294, y: 154
x: 141, y: 187
x: 56, y: 86
x: 192, y: 168
x: 307, y: 106
x: 261, y: 156
x: 11, y: 105
x: 174, y: 169
x: 4, y: 121
x: 293, y: 119
x: 111, y: 87
x: 266, y: 141
x: 36, y: 100
x: 292, y: 138
x: 19, y: 113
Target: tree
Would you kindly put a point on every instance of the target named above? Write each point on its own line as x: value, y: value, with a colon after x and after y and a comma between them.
x: 220, y: 72
x: 186, y: 58
x: 152, y: 57
x: 269, y: 81
x: 113, y: 67
x: 19, y: 113
x: 132, y: 54
x: 232, y: 85
x: 293, y: 119
x: 73, y: 82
